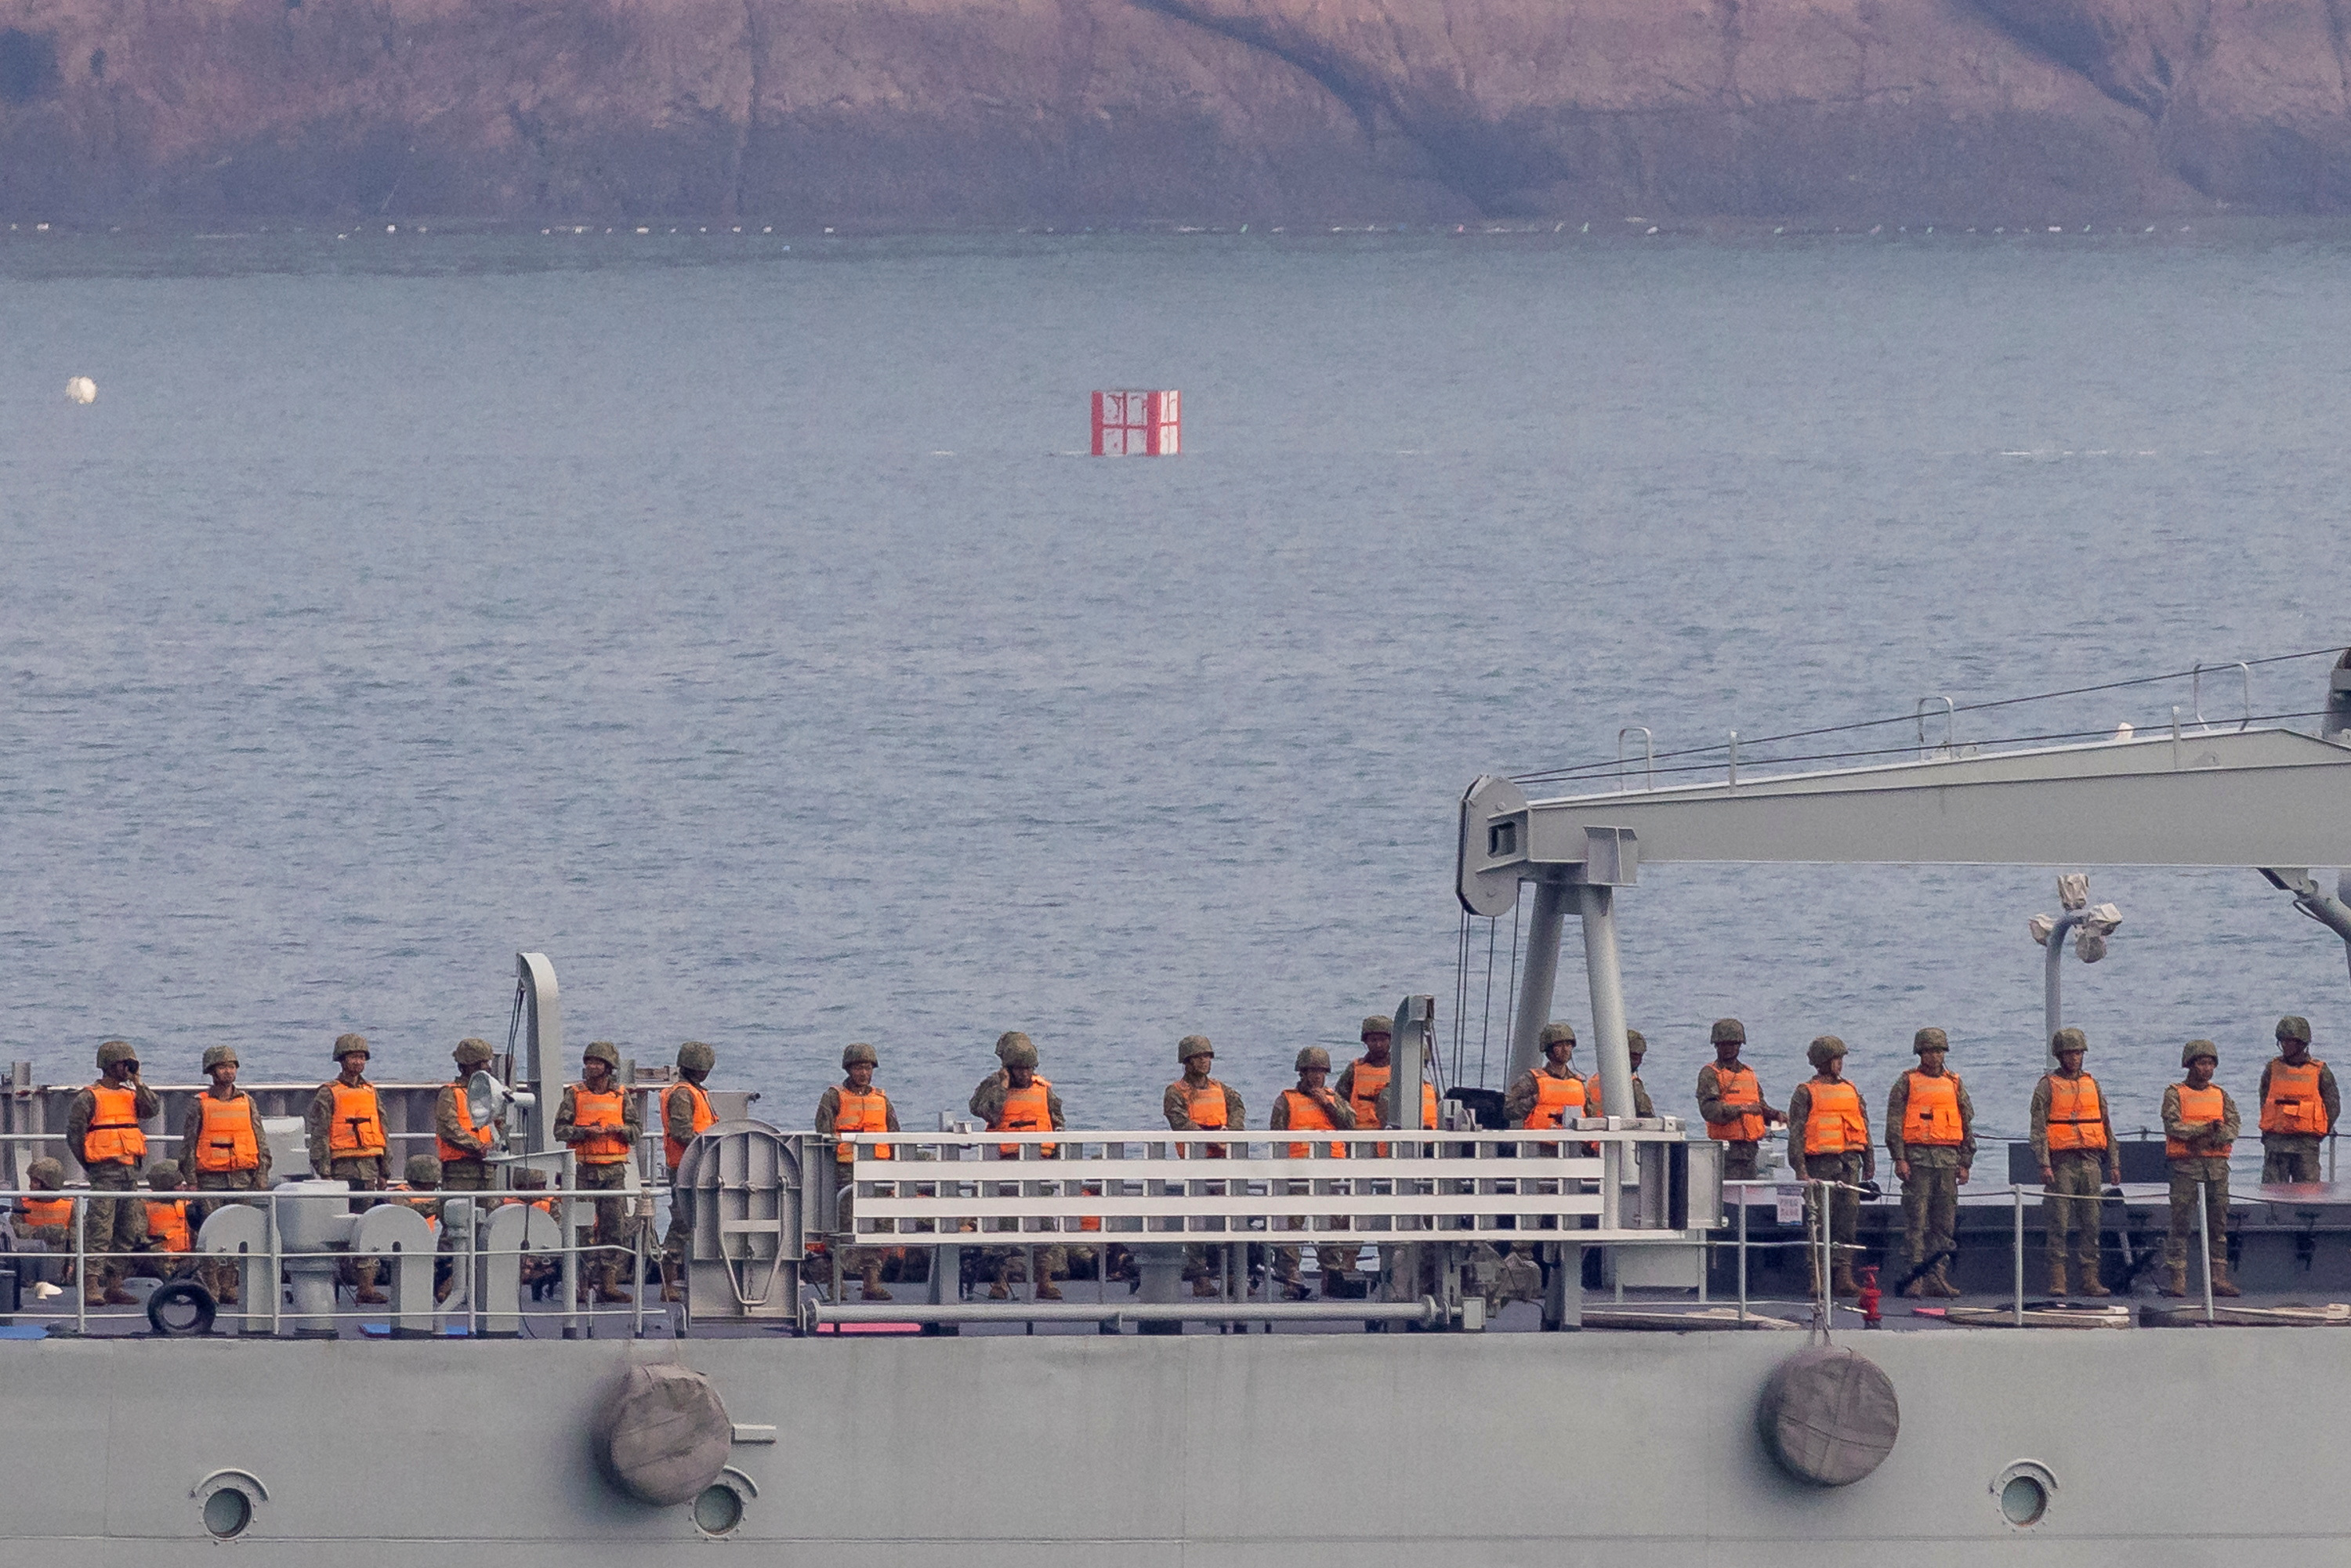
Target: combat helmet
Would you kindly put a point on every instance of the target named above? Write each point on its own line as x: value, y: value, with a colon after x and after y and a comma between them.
x: 345, y: 1044
x: 2195, y: 1047
x: 1728, y: 1032
x: 115, y: 1051
x: 1312, y: 1056
x: 2066, y: 1039
x: 1823, y: 1051
x: 696, y: 1057
x: 1378, y: 1023
x: 1010, y: 1040
x: 1929, y: 1039
x: 423, y: 1170
x: 2293, y: 1026
x: 472, y: 1053
x: 1192, y: 1045
x: 603, y: 1051
x: 220, y: 1056
x: 857, y: 1055
x: 1557, y: 1033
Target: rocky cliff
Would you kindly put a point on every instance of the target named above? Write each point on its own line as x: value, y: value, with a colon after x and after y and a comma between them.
x: 933, y: 111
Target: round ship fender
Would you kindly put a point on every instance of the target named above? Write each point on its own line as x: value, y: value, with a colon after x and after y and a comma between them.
x: 1828, y: 1416
x: 663, y: 1434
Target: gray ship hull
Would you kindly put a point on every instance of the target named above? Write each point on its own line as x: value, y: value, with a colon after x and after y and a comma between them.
x: 1360, y: 1449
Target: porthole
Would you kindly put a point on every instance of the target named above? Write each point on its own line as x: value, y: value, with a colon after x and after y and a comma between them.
x: 227, y: 1511
x: 2023, y: 1492
x: 718, y: 1510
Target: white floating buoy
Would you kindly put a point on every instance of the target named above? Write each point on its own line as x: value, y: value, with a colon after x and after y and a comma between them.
x: 81, y: 389
x: 392, y: 228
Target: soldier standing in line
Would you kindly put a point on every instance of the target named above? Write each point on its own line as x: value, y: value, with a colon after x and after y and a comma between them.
x: 345, y: 1127
x: 1930, y: 1133
x: 601, y: 1121
x: 2199, y: 1128
x: 1551, y: 1091
x: 170, y: 1237
x: 103, y: 1134
x: 1312, y: 1106
x: 1732, y: 1103
x: 223, y: 1146
x: 465, y: 1149
x: 2299, y: 1106
x: 1017, y: 1100
x: 854, y: 1105
x: 1361, y: 1080
x: 1636, y: 1046
x: 1829, y: 1125
x: 2073, y: 1138
x: 685, y: 1116
x: 1198, y: 1102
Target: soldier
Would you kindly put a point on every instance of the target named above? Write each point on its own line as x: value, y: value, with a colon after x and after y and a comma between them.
x: 1732, y: 1103
x: 540, y: 1271
x: 2299, y: 1105
x: 599, y: 1119
x: 223, y: 1146
x: 2073, y: 1138
x: 1015, y: 1100
x: 854, y: 1105
x: 345, y: 1123
x: 47, y: 1220
x: 1198, y: 1102
x: 1551, y: 1091
x: 1930, y: 1133
x: 1361, y: 1080
x: 1310, y: 1107
x: 1636, y: 1046
x: 685, y: 1116
x: 2199, y: 1128
x: 465, y: 1149
x: 1829, y: 1123
x: 102, y: 1133
x: 168, y: 1236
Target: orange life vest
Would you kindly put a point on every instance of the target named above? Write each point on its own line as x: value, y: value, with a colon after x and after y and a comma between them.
x: 37, y: 1211
x: 2205, y: 1104
x: 114, y: 1138
x: 1306, y: 1115
x: 704, y: 1118
x: 2078, y: 1118
x: 451, y: 1152
x: 228, y: 1138
x: 603, y: 1115
x: 1427, y: 1104
x: 1029, y: 1110
x: 1836, y: 1125
x: 1930, y: 1111
x: 1363, y: 1091
x: 356, y: 1131
x: 1738, y: 1091
x: 866, y: 1113
x: 1554, y: 1098
x: 167, y: 1222
x: 2292, y: 1104
x: 1206, y: 1109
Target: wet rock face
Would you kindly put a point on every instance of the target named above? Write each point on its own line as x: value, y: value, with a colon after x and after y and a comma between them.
x: 998, y: 111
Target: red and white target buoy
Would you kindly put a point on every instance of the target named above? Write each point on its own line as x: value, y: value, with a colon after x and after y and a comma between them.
x: 1138, y: 424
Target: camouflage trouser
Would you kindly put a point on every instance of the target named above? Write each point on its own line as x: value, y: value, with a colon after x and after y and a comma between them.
x: 615, y: 1231
x: 113, y: 1224
x: 1930, y: 1209
x: 220, y: 1276
x: 1742, y: 1162
x: 364, y: 1173
x: 1843, y: 1204
x: 464, y: 1176
x: 679, y: 1236
x: 2290, y: 1159
x: 2186, y: 1175
x: 2069, y: 1211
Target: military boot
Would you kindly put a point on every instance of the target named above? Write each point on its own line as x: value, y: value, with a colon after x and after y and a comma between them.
x: 1940, y: 1283
x: 2221, y: 1284
x: 367, y: 1294
x: 2175, y: 1280
x: 2091, y: 1284
x: 869, y: 1284
x: 1841, y: 1281
x: 1046, y: 1292
x: 2059, y: 1285
x: 1915, y: 1288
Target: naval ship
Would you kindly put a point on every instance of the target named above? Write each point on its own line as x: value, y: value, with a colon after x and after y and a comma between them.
x: 1672, y: 1392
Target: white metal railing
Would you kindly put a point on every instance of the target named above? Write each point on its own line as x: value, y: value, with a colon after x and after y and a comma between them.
x: 1604, y: 1183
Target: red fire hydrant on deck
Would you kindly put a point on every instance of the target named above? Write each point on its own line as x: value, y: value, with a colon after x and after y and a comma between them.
x: 1868, y: 1299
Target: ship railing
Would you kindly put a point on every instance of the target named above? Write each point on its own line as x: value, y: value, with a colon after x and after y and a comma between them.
x: 497, y: 1234
x: 1600, y: 1182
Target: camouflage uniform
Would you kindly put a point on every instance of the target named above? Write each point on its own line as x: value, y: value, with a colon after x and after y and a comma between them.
x: 2069, y: 1208
x: 1287, y: 1260
x: 615, y: 1230
x: 364, y: 1173
x: 469, y: 1172
x: 865, y: 1262
x: 1742, y: 1160
x: 1851, y: 1168
x: 677, y: 1126
x: 2206, y: 1171
x: 45, y: 1175
x: 118, y: 1224
x: 2293, y: 1156
x: 1930, y: 1193
x: 1006, y: 1264
x: 1636, y: 1046
x: 1201, y: 1265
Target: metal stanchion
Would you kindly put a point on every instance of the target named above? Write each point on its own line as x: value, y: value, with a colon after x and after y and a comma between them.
x: 1743, y: 1195
x: 2204, y: 1248
x: 2016, y: 1192
x: 81, y: 1267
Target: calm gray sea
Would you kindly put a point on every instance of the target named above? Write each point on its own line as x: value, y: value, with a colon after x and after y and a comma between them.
x: 738, y: 624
